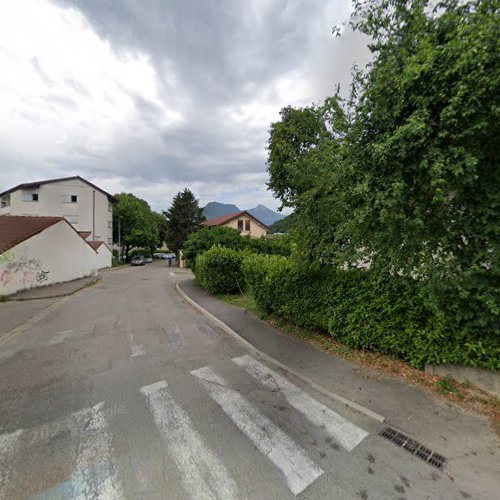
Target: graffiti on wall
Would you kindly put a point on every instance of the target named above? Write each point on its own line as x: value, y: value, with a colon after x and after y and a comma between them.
x: 27, y: 271
x: 42, y: 276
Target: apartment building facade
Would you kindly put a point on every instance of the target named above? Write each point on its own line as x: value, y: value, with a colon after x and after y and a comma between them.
x: 88, y: 208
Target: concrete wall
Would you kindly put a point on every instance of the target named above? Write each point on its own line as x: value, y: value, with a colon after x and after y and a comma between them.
x: 55, y: 255
x: 53, y: 201
x: 487, y: 380
x: 256, y: 230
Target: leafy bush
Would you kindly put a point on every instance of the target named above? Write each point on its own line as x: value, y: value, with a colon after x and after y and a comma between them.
x: 218, y: 270
x: 206, y: 238
x: 361, y: 309
x: 145, y: 252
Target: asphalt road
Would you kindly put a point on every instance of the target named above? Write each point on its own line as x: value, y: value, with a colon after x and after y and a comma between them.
x: 124, y: 391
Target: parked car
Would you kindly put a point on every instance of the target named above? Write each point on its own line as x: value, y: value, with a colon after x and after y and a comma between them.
x: 138, y: 261
x: 159, y: 255
x: 148, y: 260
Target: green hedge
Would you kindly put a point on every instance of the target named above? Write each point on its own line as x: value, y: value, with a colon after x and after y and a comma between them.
x: 206, y: 238
x: 145, y: 252
x: 218, y: 270
x: 360, y: 309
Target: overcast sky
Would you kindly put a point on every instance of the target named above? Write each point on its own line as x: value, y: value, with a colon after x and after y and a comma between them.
x: 152, y: 96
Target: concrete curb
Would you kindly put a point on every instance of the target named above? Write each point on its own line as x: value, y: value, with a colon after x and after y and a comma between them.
x: 57, y: 295
x: 286, y: 369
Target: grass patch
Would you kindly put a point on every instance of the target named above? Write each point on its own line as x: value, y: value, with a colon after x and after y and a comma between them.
x: 244, y: 300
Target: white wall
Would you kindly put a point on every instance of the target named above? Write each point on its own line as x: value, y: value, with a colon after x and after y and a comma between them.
x: 55, y: 255
x: 104, y: 257
x: 51, y: 202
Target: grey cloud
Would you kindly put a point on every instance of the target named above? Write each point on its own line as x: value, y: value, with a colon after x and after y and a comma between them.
x: 209, y: 56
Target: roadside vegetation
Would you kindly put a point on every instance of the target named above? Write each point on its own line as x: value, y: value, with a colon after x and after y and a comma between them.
x: 394, y: 247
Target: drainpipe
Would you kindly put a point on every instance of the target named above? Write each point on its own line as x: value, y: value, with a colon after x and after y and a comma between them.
x: 93, y: 215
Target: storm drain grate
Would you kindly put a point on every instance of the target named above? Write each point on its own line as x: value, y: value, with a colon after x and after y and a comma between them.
x: 414, y: 447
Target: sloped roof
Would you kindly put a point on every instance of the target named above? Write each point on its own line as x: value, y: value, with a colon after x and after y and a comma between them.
x: 84, y: 234
x: 224, y: 219
x: 34, y: 185
x: 14, y: 229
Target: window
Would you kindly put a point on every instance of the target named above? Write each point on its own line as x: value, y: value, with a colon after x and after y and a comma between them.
x: 30, y: 196
x: 110, y: 241
x: 5, y: 201
x: 74, y: 198
x: 240, y: 225
x: 70, y: 198
x: 110, y: 207
x: 110, y: 224
x: 72, y: 219
x: 247, y: 225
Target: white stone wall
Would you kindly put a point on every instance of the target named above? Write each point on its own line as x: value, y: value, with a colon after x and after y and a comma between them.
x: 55, y: 255
x: 53, y: 200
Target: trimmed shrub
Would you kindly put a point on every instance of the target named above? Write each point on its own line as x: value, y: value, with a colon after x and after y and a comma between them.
x: 206, y: 238
x: 145, y: 252
x: 360, y: 309
x: 218, y: 270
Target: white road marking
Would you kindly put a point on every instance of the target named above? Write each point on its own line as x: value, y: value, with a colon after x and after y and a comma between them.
x: 94, y: 475
x: 59, y: 337
x: 299, y: 470
x: 135, y: 349
x: 347, y: 434
x: 203, y: 475
x: 174, y: 337
x: 9, y: 446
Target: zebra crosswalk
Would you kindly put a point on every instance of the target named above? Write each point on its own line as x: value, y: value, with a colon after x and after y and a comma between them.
x: 94, y: 471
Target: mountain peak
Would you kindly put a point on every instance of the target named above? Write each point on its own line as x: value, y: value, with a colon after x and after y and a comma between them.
x: 266, y: 215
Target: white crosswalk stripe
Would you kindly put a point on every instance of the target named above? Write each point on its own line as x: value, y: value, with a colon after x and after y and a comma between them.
x: 93, y: 474
x: 347, y: 434
x: 9, y: 446
x: 203, y: 475
x: 299, y: 470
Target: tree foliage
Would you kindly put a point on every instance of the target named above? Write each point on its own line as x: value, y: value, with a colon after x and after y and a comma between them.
x: 183, y: 218
x: 284, y: 225
x: 134, y: 219
x: 404, y: 173
x: 226, y: 237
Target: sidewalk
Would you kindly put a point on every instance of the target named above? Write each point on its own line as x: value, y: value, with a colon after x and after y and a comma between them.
x: 56, y: 290
x: 466, y: 439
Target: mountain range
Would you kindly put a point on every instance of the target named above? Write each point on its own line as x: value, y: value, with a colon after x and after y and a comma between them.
x: 266, y: 215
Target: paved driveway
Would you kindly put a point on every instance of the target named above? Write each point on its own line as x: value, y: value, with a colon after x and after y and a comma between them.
x: 124, y: 391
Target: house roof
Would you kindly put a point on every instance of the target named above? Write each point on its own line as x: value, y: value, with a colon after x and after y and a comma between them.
x: 34, y: 185
x: 95, y: 244
x: 14, y: 229
x: 84, y: 234
x: 224, y: 219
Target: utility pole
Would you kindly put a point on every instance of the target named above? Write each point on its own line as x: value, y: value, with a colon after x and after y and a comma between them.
x: 120, y: 236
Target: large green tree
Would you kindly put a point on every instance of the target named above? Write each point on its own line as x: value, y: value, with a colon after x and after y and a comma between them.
x: 405, y: 172
x: 134, y: 220
x: 183, y: 218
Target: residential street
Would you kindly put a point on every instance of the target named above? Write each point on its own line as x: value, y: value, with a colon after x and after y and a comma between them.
x: 123, y: 390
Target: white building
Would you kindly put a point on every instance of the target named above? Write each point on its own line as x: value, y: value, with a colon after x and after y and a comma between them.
x: 39, y: 251
x: 86, y: 207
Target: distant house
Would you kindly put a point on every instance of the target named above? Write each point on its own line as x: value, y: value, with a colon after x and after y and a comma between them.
x: 244, y: 222
x: 88, y: 208
x: 38, y: 251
